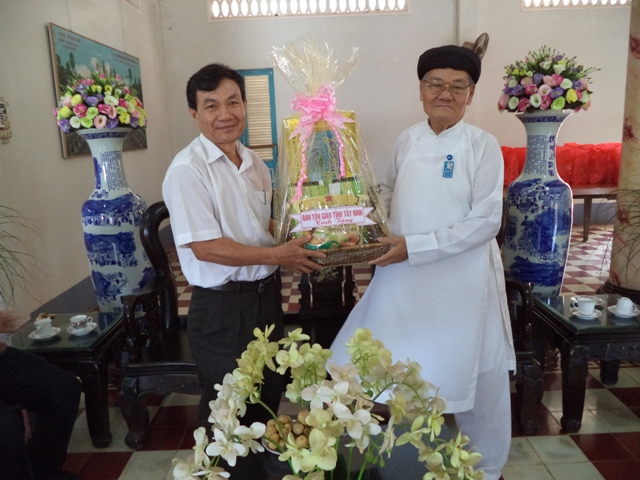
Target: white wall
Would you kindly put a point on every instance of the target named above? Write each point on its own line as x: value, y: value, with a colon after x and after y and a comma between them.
x: 382, y: 90
x: 34, y: 177
x: 597, y: 37
x: 173, y: 39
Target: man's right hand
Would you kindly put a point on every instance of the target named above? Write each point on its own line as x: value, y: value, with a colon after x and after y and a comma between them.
x: 293, y: 256
x: 10, y: 321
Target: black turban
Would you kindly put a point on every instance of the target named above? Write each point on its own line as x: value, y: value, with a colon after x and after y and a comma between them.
x: 450, y: 56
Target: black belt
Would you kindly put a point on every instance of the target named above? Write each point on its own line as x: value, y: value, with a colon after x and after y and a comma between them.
x: 257, y: 286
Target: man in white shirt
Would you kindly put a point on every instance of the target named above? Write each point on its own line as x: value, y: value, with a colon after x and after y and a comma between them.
x: 443, y: 276
x: 219, y: 197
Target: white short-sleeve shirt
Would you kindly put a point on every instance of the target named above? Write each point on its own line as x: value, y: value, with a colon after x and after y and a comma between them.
x: 208, y: 197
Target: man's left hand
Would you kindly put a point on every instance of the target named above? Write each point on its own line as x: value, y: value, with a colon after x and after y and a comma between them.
x: 397, y: 253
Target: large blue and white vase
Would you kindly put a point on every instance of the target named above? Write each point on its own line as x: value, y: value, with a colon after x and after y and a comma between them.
x: 111, y: 221
x: 540, y: 210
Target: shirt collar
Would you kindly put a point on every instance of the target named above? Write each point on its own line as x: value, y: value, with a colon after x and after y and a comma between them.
x: 428, y: 131
x: 214, y: 153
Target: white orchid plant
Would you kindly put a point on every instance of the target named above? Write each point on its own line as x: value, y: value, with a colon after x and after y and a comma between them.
x: 339, y: 410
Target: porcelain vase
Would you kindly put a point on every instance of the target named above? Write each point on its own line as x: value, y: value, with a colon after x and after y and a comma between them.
x: 540, y: 210
x: 110, y: 222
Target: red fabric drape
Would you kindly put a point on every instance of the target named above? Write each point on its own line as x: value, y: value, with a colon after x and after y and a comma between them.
x: 513, y: 162
x: 577, y: 164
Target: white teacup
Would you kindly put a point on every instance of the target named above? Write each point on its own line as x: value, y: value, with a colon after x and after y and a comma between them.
x: 43, y: 327
x: 80, y: 322
x: 585, y: 305
x: 626, y: 307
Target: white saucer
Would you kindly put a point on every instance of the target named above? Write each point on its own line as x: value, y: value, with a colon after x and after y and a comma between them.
x: 36, y: 336
x: 595, y: 314
x: 599, y: 300
x: 612, y: 309
x: 89, y: 327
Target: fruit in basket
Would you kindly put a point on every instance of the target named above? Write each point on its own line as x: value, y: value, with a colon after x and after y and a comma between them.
x: 285, y: 427
x: 302, y: 441
x: 302, y: 417
x: 298, y: 428
x: 334, y: 237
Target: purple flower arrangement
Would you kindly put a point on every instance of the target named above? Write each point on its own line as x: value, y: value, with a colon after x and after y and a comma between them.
x: 101, y: 101
x: 545, y: 80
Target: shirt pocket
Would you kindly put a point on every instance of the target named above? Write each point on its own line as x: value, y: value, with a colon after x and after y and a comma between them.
x: 261, y: 204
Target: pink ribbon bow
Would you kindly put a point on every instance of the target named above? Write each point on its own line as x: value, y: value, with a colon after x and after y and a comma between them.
x: 321, y: 106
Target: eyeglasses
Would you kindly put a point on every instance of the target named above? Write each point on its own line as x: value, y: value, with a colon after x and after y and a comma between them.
x: 436, y: 88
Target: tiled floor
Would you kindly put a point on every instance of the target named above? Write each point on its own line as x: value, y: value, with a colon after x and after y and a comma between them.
x: 607, y: 447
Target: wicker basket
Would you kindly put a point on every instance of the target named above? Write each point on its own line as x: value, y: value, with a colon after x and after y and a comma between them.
x: 352, y: 255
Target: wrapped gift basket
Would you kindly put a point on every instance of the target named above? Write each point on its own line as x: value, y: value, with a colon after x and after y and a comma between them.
x: 324, y: 185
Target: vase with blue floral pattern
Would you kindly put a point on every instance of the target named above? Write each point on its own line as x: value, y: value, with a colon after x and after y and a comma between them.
x: 111, y: 221
x: 540, y: 210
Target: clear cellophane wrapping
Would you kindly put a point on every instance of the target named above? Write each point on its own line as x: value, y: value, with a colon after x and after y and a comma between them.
x: 337, y: 200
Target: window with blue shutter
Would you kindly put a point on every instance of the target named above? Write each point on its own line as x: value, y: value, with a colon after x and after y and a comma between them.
x: 260, y: 135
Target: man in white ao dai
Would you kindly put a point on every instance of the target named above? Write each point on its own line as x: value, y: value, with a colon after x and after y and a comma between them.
x: 438, y: 296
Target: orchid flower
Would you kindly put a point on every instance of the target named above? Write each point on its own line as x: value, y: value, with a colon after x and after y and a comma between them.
x: 248, y: 436
x: 337, y: 405
x: 225, y: 448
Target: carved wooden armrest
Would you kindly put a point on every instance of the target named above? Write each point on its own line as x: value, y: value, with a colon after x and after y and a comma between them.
x: 522, y: 325
x: 141, y: 316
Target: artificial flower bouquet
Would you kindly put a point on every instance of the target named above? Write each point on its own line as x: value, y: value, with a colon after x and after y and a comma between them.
x: 335, y: 410
x: 101, y: 101
x: 545, y: 80
x: 324, y: 185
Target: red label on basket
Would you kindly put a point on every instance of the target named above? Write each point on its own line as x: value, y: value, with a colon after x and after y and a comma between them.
x: 326, y: 217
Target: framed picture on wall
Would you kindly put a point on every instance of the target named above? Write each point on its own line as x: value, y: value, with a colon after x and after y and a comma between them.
x: 74, y: 56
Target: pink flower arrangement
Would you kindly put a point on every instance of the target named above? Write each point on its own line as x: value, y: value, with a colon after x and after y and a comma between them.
x: 102, y: 101
x: 545, y: 80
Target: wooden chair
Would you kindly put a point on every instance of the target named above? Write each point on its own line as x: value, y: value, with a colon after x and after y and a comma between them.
x: 528, y: 374
x: 157, y: 357
x: 326, y: 299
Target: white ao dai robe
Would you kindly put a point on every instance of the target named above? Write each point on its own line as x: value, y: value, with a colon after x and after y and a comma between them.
x: 444, y: 307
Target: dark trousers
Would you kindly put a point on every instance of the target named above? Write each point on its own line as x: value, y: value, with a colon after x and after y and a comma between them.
x: 220, y: 326
x: 50, y: 393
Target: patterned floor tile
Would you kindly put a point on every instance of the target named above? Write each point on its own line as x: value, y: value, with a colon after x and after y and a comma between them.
x: 629, y: 396
x: 573, y: 471
x: 619, y: 419
x: 607, y: 447
x: 105, y: 466
x: 148, y: 465
x: 526, y: 472
x: 166, y: 437
x: 602, y: 447
x: 630, y: 441
x: 182, y: 415
x: 620, y: 470
x: 522, y: 453
x: 557, y: 449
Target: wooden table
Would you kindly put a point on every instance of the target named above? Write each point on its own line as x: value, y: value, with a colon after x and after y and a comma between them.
x: 609, y: 338
x: 588, y: 193
x: 85, y: 356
